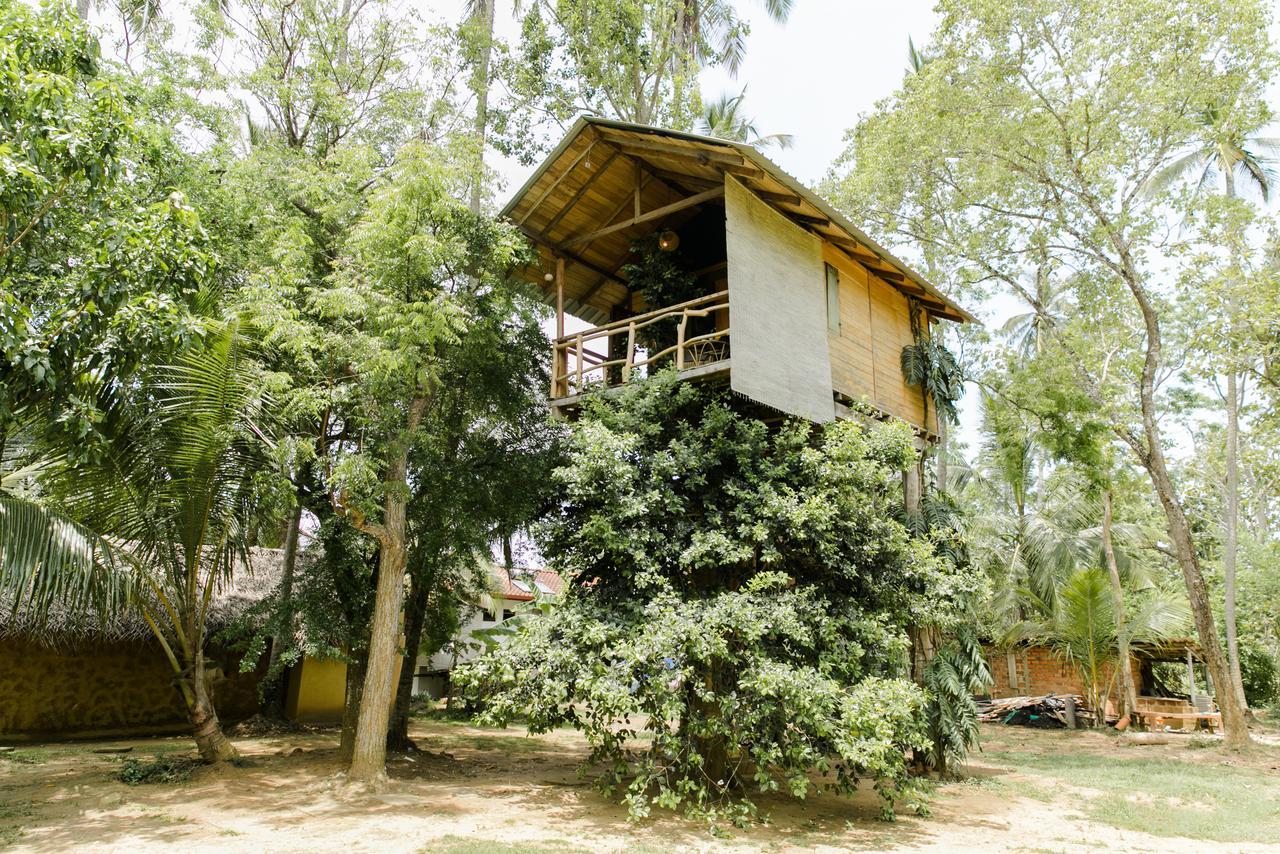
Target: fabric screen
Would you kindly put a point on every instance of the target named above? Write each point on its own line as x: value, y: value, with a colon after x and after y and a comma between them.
x: 777, y: 309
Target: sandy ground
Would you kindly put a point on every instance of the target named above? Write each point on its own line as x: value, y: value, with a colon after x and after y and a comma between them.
x: 494, y: 788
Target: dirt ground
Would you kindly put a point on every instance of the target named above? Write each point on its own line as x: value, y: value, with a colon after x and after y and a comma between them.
x: 475, y: 790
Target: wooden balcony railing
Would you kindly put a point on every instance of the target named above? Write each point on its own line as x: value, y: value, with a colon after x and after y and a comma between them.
x: 576, y: 368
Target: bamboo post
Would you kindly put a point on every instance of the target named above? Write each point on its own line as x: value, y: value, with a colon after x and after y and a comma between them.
x: 631, y: 351
x: 559, y: 297
x: 556, y: 370
x: 684, y: 319
x: 578, y: 352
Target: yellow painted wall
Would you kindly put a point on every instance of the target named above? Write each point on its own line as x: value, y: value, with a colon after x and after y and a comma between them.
x: 317, y: 691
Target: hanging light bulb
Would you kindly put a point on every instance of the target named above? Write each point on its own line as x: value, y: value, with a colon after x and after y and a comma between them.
x: 668, y: 240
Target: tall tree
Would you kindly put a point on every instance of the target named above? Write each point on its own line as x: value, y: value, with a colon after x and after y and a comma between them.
x: 724, y: 118
x: 1228, y: 148
x: 398, y: 296
x: 1034, y: 131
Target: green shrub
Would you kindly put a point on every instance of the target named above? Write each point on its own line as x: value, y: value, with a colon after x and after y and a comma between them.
x: 160, y: 769
x: 735, y: 611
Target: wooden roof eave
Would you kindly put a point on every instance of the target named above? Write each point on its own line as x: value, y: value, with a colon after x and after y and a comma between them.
x: 724, y: 157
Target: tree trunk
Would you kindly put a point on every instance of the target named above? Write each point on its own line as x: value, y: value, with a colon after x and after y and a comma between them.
x: 1231, y: 528
x: 274, y: 691
x: 210, y: 740
x: 482, y: 23
x: 369, y: 758
x: 943, y: 442
x: 1235, y: 726
x: 1150, y: 453
x: 351, y: 709
x: 1129, y: 694
x: 82, y: 9
x: 415, y: 618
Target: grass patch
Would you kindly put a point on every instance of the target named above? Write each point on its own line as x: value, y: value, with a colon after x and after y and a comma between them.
x: 499, y: 743
x: 465, y: 845
x: 29, y: 756
x: 1165, y: 797
x: 11, y: 821
x: 161, y: 769
x: 1012, y: 788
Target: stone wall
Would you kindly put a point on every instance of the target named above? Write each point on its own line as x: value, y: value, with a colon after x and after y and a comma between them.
x: 106, y: 689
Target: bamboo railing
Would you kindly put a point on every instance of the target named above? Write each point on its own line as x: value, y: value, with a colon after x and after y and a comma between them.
x: 576, y: 368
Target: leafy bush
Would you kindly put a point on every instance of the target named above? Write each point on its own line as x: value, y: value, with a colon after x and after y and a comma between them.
x: 160, y: 769
x: 734, y: 619
x: 1260, y: 675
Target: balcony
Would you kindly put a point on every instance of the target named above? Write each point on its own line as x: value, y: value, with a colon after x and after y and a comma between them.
x: 698, y: 332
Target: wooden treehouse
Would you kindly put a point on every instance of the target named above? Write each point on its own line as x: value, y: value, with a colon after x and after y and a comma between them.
x: 766, y: 287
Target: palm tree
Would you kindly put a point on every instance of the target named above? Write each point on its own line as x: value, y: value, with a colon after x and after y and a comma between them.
x: 1079, y: 626
x: 1228, y: 150
x: 1050, y: 304
x: 716, y: 23
x: 916, y: 58
x: 723, y: 119
x: 931, y: 367
x: 160, y: 523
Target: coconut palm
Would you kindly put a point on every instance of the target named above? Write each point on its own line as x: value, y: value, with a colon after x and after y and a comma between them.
x: 917, y: 59
x: 715, y: 23
x: 723, y: 118
x: 1079, y: 626
x: 1026, y: 333
x: 159, y: 523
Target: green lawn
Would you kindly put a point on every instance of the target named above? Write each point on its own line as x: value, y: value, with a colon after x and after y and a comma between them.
x: 1161, y: 796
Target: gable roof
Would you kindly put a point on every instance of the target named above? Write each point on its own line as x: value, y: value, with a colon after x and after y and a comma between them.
x: 520, y: 584
x: 594, y: 176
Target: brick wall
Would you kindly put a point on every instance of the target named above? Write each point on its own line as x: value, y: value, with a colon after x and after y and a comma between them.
x: 1033, y: 671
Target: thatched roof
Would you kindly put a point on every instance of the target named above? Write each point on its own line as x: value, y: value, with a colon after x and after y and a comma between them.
x: 64, y: 626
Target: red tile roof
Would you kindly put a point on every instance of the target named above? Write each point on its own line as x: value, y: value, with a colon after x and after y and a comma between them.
x: 520, y: 584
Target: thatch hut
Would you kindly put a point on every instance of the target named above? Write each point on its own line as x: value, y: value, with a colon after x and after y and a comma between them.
x: 72, y: 674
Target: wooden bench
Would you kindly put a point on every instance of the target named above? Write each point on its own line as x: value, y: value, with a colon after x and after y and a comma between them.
x: 1149, y: 719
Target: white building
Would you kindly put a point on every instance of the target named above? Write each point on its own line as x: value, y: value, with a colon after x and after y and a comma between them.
x: 508, y: 594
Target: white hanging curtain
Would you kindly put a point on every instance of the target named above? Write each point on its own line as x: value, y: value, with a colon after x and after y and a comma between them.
x: 777, y: 309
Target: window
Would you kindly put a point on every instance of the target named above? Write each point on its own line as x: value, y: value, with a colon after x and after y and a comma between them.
x: 487, y: 616
x: 544, y: 588
x: 521, y: 585
x: 833, y: 298
x: 507, y: 614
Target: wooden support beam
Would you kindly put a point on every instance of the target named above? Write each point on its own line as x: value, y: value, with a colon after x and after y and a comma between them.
x: 699, y: 154
x: 777, y: 198
x: 670, y: 178
x: 559, y: 297
x: 656, y: 213
x: 571, y: 257
x: 854, y: 248
x: 705, y: 159
x: 593, y: 290
x: 542, y: 197
x: 577, y: 197
x: 636, y: 168
x: 819, y: 221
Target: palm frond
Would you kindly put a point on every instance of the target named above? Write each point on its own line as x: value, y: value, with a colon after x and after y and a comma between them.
x: 47, y: 558
x: 1177, y: 170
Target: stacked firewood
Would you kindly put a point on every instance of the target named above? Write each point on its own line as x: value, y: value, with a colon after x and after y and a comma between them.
x: 1052, y: 711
